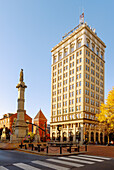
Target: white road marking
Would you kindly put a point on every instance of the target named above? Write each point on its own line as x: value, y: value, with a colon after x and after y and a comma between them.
x: 64, y: 162
x: 25, y: 166
x: 49, y: 165
x: 99, y: 157
x: 3, y: 168
x: 77, y: 160
x: 97, y: 160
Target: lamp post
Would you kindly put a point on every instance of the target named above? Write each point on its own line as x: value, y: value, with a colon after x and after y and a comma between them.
x: 70, y: 131
x: 45, y: 130
x: 59, y: 129
x: 77, y: 136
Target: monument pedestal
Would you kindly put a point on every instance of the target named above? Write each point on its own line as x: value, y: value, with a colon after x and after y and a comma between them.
x: 13, y: 139
x: 20, y: 129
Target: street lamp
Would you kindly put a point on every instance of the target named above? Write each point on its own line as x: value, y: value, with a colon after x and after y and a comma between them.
x: 77, y: 136
x: 59, y: 129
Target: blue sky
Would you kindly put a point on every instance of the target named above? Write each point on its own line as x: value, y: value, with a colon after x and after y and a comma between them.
x: 28, y: 31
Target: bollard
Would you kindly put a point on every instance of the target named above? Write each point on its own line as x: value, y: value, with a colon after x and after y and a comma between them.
x: 21, y: 145
x: 32, y: 147
x: 70, y: 148
x: 25, y: 146
x: 78, y: 148
x: 38, y: 148
x: 60, y: 149
x: 85, y: 147
x: 47, y: 149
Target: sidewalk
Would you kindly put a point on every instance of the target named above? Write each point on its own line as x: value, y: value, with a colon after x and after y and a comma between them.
x: 52, y: 153
x: 9, y: 146
x: 99, y: 150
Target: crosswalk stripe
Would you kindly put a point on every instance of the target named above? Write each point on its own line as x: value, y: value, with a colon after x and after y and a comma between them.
x: 96, y: 157
x: 77, y: 160
x: 3, y: 168
x: 64, y: 162
x: 49, y: 165
x: 91, y: 159
x: 25, y: 166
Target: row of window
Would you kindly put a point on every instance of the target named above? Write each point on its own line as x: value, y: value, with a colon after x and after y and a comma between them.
x: 93, y: 49
x: 78, y: 99
x: 92, y: 109
x: 92, y: 86
x: 65, y: 89
x: 92, y: 101
x: 78, y: 116
x: 75, y: 116
x: 65, y: 54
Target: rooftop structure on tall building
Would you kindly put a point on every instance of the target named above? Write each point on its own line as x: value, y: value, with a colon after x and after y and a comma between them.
x: 77, y: 86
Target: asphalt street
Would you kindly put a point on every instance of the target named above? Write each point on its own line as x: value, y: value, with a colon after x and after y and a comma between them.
x: 15, y: 160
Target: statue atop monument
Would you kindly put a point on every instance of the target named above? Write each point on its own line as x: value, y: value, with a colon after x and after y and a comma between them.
x: 21, y: 75
x: 21, y: 82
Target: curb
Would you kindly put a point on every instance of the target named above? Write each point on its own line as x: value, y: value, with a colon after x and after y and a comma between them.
x: 50, y: 154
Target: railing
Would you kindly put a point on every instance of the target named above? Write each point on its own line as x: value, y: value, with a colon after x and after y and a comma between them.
x: 61, y: 149
x: 71, y: 31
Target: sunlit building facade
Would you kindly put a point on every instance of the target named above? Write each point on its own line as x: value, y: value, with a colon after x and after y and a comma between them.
x: 77, y: 86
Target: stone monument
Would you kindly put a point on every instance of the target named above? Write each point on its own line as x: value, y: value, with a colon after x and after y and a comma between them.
x: 20, y: 124
x: 3, y: 136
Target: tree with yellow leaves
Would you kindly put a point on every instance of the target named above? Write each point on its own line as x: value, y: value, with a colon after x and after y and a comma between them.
x: 106, y: 114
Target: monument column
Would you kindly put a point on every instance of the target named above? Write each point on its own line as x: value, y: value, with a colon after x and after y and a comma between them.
x: 21, y: 126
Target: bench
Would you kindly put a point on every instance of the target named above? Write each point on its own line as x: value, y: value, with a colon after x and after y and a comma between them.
x: 21, y: 146
x: 36, y: 148
x: 42, y: 148
x: 74, y: 148
x: 30, y: 144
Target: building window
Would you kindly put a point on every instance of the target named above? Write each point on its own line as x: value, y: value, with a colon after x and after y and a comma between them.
x: 76, y: 100
x: 55, y: 59
x: 66, y: 52
x: 80, y: 75
x: 101, y: 56
x: 72, y: 49
x: 77, y: 92
x: 97, y: 52
x: 92, y: 48
x: 88, y: 44
x: 60, y: 56
x: 79, y: 44
x: 77, y: 54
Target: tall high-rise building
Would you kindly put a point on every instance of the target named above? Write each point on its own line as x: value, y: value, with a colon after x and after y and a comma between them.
x: 77, y: 86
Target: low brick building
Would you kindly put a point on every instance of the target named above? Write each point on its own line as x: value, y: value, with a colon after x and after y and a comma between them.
x: 9, y: 118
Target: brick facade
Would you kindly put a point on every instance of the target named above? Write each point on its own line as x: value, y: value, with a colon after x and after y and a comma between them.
x: 41, y: 121
x: 9, y: 118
